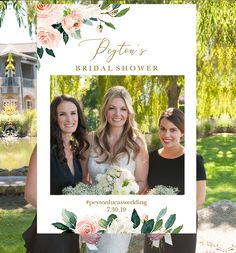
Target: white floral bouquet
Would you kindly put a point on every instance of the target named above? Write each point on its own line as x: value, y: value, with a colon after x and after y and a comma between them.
x: 89, y: 226
x: 116, y: 181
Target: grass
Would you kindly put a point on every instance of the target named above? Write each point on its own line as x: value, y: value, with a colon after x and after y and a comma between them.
x: 219, y: 153
x: 13, y: 223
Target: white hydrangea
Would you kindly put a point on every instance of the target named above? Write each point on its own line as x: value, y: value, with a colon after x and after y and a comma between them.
x: 121, y: 225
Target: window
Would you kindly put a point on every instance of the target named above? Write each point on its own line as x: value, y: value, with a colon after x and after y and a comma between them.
x: 29, y: 105
x: 27, y: 70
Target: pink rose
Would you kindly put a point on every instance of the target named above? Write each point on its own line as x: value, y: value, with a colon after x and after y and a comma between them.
x: 144, y: 217
x: 49, y: 10
x: 86, y: 227
x: 48, y: 37
x: 72, y: 21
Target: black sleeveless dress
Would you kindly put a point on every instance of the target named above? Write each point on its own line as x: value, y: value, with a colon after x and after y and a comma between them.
x: 61, y: 177
x: 170, y: 172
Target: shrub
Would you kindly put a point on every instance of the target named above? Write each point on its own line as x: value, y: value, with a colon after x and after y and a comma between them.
x: 30, y: 119
x: 153, y: 141
x: 92, y: 118
x: 25, y: 123
x: 225, y: 124
x: 204, y: 127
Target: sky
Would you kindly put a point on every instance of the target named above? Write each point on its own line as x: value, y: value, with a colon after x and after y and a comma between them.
x: 10, y: 31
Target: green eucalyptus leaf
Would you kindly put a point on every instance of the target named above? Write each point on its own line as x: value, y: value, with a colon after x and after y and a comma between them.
x: 93, y: 19
x: 87, y: 22
x: 147, y: 227
x: 158, y: 225
x: 102, y: 231
x: 122, y: 12
x: 60, y: 226
x: 76, y: 35
x: 105, y: 5
x: 110, y: 25
x: 50, y: 52
x: 162, y: 213
x: 115, y: 6
x: 59, y: 27
x: 110, y: 219
x: 40, y: 52
x: 65, y: 37
x: 69, y: 231
x: 69, y: 218
x: 177, y: 230
x: 135, y: 219
x: 102, y: 223
x: 170, y: 221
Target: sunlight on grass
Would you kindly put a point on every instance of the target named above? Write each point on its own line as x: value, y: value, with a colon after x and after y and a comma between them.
x: 13, y: 223
x: 229, y: 154
x: 219, y: 153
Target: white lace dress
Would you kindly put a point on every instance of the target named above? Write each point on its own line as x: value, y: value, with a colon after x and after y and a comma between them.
x: 110, y: 243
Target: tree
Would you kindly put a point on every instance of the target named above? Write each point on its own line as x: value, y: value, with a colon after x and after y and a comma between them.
x: 216, y: 58
x: 216, y: 33
x: 65, y: 85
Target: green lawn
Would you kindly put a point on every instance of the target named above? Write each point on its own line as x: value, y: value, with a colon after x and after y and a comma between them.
x: 13, y: 223
x: 219, y: 153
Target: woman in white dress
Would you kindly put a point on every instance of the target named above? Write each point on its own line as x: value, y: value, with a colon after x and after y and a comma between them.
x: 117, y: 141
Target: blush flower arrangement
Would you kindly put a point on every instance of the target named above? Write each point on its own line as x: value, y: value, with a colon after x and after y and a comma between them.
x: 116, y: 181
x: 91, y: 225
x: 58, y: 22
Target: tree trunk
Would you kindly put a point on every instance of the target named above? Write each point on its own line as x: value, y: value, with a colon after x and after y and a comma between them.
x: 173, y: 92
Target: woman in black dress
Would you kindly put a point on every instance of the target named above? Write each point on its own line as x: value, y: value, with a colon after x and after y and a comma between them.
x: 166, y: 167
x: 68, y: 143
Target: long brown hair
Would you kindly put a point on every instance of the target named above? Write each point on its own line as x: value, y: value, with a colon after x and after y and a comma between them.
x: 127, y: 142
x: 78, y: 140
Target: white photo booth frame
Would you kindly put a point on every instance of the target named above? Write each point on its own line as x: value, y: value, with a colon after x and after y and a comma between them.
x: 167, y: 33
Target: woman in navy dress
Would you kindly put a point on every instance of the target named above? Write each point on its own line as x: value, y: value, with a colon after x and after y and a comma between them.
x: 166, y: 167
x: 68, y: 143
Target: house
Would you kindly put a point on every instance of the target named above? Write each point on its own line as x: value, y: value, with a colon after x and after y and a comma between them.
x: 18, y: 74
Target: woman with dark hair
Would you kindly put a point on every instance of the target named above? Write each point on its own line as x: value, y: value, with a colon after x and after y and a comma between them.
x: 166, y: 167
x: 68, y: 143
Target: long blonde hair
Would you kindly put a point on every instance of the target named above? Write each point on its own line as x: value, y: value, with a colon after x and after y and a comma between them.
x: 126, y: 143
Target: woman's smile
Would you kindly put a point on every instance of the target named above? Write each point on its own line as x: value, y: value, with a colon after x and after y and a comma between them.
x: 117, y: 112
x: 67, y: 117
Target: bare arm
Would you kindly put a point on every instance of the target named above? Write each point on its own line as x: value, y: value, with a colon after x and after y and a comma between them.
x: 141, y: 165
x: 31, y: 180
x: 201, y: 192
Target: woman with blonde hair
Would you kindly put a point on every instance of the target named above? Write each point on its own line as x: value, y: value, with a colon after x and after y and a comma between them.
x: 117, y: 141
